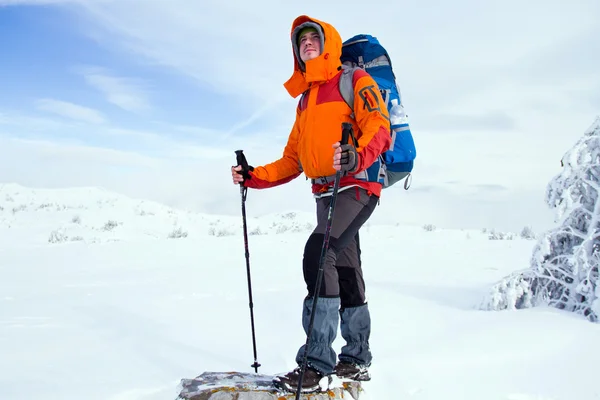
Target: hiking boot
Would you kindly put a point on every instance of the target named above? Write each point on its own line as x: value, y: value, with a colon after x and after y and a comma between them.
x: 311, y: 381
x: 346, y: 370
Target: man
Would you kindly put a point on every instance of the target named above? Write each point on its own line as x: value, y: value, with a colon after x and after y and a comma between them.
x: 314, y: 148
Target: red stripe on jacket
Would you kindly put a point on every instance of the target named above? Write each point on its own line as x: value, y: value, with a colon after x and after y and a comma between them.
x: 379, y: 143
x: 256, y: 183
x: 359, y: 73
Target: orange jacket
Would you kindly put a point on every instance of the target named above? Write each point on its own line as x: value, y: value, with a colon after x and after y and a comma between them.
x: 319, y: 118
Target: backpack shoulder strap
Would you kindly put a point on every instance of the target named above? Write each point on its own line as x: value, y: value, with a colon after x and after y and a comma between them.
x: 347, y: 86
x: 301, y: 105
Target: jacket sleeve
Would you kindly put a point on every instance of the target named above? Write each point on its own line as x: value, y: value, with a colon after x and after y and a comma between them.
x: 281, y: 171
x: 372, y: 118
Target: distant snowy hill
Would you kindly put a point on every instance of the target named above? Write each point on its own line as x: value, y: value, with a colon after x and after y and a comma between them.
x: 94, y: 215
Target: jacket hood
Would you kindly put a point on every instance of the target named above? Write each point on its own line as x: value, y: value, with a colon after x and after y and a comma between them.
x: 319, y: 69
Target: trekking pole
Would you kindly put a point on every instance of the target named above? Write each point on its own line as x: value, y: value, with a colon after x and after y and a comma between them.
x: 346, y: 132
x: 241, y: 160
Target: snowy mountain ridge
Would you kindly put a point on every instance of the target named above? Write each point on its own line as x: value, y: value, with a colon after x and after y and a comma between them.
x: 93, y: 215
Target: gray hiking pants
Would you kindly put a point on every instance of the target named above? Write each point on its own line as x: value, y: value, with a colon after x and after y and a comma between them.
x: 342, y: 295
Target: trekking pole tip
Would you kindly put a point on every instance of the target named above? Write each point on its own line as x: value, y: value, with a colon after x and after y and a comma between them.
x: 255, y: 366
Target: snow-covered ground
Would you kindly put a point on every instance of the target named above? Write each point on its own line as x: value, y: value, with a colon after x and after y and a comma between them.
x: 106, y: 297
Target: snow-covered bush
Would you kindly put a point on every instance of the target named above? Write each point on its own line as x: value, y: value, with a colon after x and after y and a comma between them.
x: 76, y: 219
x: 57, y: 236
x: 110, y: 225
x: 495, y: 235
x: 564, y: 265
x: 429, y: 227
x: 177, y: 233
x: 290, y: 225
x: 224, y: 232
x: 22, y: 207
x: 290, y: 215
x: 220, y: 232
x: 281, y: 229
x: 527, y: 233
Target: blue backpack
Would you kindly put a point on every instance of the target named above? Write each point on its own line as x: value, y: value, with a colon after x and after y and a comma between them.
x: 366, y: 53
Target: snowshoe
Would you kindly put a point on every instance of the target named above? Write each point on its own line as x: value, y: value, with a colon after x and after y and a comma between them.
x: 312, y: 381
x: 346, y: 370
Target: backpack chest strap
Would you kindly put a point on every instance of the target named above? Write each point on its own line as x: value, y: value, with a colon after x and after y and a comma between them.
x: 327, y: 180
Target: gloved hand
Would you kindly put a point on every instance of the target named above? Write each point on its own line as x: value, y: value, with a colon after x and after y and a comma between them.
x: 345, y: 158
x: 240, y: 174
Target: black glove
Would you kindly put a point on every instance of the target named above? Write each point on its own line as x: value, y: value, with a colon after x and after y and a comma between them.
x: 349, y: 158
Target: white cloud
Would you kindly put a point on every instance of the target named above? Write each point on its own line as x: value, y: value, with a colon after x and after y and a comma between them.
x: 462, y: 49
x: 15, y: 121
x: 71, y: 110
x: 129, y: 94
x: 461, y: 39
x: 200, y: 40
x: 75, y: 154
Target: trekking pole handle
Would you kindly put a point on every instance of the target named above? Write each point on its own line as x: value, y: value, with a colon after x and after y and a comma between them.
x: 346, y: 132
x: 241, y: 159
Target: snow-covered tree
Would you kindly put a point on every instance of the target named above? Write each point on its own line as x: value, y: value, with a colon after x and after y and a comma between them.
x: 563, y: 270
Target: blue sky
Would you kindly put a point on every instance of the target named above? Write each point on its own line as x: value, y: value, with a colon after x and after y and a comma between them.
x: 151, y: 98
x: 56, y: 66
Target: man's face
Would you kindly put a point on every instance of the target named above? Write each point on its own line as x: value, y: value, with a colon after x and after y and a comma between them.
x: 310, y: 46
